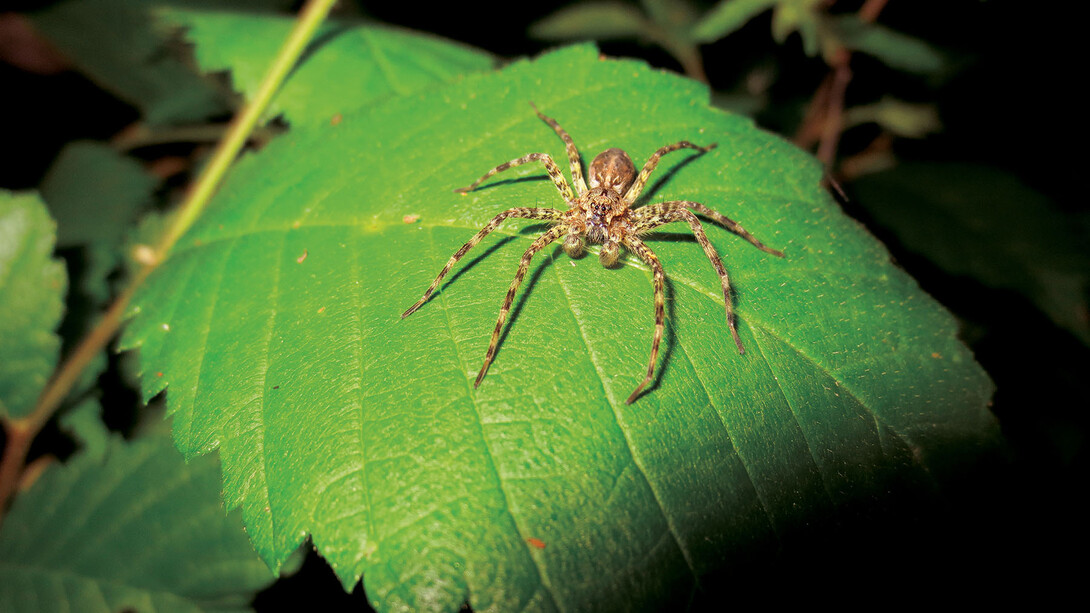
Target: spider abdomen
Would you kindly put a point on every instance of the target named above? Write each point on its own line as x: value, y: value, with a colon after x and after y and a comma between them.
x: 612, y: 168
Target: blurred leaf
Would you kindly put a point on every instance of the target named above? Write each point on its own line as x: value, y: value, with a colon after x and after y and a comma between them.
x: 727, y: 17
x: 275, y: 325
x: 894, y: 49
x: 740, y: 102
x: 594, y: 21
x: 113, y: 43
x: 802, y: 16
x: 382, y: 61
x: 896, y: 116
x: 94, y: 192
x: 676, y: 16
x: 982, y: 222
x: 84, y: 423
x: 138, y: 529
x: 32, y: 286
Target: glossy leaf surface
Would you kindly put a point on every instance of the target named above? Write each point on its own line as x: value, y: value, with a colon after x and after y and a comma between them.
x: 275, y: 325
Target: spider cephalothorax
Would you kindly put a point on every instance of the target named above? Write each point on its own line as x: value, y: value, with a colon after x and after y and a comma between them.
x: 602, y: 213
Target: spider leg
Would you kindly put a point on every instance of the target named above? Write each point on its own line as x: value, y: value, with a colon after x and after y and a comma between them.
x: 635, y: 245
x: 648, y: 168
x: 724, y: 221
x: 550, y: 167
x: 657, y: 215
x: 525, y: 213
x: 524, y: 265
x: 573, y: 153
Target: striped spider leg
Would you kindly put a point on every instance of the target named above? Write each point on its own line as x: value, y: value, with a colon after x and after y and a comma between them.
x: 559, y: 228
x: 648, y: 218
x: 599, y: 211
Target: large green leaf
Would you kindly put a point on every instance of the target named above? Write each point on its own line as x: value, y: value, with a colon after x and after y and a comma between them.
x: 32, y: 286
x: 275, y: 327
x: 138, y: 530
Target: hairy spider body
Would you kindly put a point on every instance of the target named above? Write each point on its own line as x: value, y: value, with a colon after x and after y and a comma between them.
x: 601, y: 213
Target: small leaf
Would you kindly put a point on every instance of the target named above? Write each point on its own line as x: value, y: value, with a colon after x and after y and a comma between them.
x: 382, y: 61
x: 982, y: 222
x: 95, y: 192
x: 897, y: 116
x: 727, y: 17
x: 892, y: 48
x: 139, y: 529
x: 335, y: 418
x: 32, y: 286
x: 802, y: 16
x: 593, y: 21
x: 84, y: 423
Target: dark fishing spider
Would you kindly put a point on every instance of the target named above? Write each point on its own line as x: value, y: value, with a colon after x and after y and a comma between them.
x: 603, y: 214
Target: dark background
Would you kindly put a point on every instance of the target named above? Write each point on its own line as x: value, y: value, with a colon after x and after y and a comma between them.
x: 1011, y: 525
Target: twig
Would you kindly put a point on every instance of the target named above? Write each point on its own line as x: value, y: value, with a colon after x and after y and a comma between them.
x: 824, y: 117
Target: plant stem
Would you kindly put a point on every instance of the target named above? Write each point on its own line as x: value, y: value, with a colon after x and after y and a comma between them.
x: 824, y: 118
x: 20, y: 432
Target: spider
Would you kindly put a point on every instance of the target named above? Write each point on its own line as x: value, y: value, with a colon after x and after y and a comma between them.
x: 602, y: 213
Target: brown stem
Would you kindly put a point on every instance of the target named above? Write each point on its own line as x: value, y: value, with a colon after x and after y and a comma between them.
x: 824, y: 117
x: 809, y: 131
x: 691, y: 62
x: 868, y: 13
x: 19, y: 436
x: 834, y: 116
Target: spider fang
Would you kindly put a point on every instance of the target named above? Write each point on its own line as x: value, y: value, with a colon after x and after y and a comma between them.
x: 602, y: 212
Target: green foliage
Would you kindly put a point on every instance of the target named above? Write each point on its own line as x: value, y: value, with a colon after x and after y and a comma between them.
x: 97, y: 191
x: 727, y: 17
x: 121, y: 526
x: 32, y: 286
x: 130, y: 526
x: 113, y: 43
x: 1009, y: 235
x: 99, y: 194
x: 899, y: 117
x: 894, y: 49
x: 594, y: 20
x: 275, y: 328
x: 383, y: 62
x: 800, y: 16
